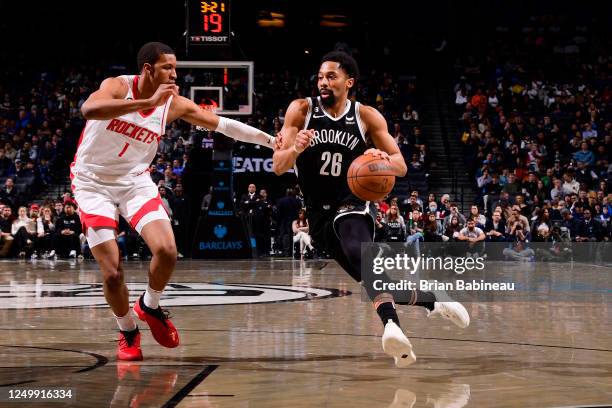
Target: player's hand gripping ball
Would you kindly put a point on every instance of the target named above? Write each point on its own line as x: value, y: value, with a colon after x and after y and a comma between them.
x: 370, y: 177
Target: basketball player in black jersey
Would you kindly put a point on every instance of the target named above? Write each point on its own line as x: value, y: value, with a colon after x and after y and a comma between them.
x: 321, y: 137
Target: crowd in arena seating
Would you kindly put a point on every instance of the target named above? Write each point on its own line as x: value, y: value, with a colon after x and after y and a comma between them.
x: 536, y: 128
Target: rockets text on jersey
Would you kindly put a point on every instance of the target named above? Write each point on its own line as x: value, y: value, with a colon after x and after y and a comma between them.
x: 121, y: 146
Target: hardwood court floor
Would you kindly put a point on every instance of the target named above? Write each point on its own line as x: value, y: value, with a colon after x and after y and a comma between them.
x: 297, y: 347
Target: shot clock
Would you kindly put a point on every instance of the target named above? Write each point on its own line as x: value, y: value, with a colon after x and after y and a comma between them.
x: 209, y: 22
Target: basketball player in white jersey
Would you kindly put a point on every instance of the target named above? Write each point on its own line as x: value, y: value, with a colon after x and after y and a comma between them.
x: 125, y: 119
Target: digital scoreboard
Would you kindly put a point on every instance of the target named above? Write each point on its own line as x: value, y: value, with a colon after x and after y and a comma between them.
x: 209, y: 22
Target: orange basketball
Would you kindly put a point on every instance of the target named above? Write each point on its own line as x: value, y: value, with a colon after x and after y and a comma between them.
x: 370, y: 178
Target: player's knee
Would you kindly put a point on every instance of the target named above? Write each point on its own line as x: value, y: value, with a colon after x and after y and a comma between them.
x: 166, y: 251
x: 113, y: 280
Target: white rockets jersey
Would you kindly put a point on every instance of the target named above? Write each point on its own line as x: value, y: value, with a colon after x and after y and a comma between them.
x: 122, y: 146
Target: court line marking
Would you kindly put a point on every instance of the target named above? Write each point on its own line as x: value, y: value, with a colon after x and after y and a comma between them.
x: 354, y: 335
x: 100, y: 361
x: 195, y: 381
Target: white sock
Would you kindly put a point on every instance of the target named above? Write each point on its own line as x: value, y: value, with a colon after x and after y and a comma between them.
x: 151, y: 297
x: 126, y: 323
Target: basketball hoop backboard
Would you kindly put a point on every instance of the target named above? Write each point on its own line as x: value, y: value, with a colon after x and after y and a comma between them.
x: 226, y: 87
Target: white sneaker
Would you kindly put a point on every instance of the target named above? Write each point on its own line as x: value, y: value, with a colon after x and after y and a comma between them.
x: 456, y: 396
x: 396, y: 344
x: 34, y: 256
x: 72, y: 254
x: 448, y: 309
x: 51, y: 254
x: 403, y: 399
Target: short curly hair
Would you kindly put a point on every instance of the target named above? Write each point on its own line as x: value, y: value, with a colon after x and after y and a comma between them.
x: 150, y: 53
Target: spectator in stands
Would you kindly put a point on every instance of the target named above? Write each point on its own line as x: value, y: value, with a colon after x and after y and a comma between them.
x: 59, y: 209
x: 23, y: 230
x: 8, y: 195
x: 169, y: 178
x: 495, y: 229
x: 67, y: 198
x: 480, y: 219
x: 589, y: 229
x: 557, y: 191
x: 542, y: 227
x: 414, y: 203
x: 415, y: 165
x: 570, y: 185
x: 432, y: 230
x: 177, y: 167
x: 524, y: 208
x: 517, y: 217
x: 166, y: 146
x: 453, y: 211
x: 9, y: 151
x: 45, y: 229
x: 380, y: 228
x: 300, y: 232
x: 513, y: 186
x: 585, y: 154
x: 444, y: 206
x: 155, y: 174
x: 68, y: 227
x: 396, y: 227
x: 585, y: 176
x: 474, y: 237
x: 248, y: 201
x: 6, y: 223
x: 410, y: 116
x: 492, y: 189
x: 432, y: 208
x: 453, y: 228
x: 414, y: 230
x: 569, y: 222
x: 165, y: 200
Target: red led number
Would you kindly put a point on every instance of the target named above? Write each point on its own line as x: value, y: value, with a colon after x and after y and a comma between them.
x: 214, y: 20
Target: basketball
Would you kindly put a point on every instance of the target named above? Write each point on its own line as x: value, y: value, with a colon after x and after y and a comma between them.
x: 370, y: 178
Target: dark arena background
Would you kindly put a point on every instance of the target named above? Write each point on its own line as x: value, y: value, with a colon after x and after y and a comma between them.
x: 502, y: 111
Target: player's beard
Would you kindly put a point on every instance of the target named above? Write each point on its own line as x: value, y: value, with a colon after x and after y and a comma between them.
x: 329, y: 100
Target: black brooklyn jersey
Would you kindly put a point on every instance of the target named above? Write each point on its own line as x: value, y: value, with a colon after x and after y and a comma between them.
x: 322, y: 167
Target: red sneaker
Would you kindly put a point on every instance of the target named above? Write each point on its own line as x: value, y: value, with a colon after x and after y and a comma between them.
x: 128, y: 348
x: 128, y: 371
x: 161, y: 327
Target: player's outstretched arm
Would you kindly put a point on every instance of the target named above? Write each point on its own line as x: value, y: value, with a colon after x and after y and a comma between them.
x: 376, y: 129
x: 294, y: 140
x: 109, y: 101
x: 187, y: 110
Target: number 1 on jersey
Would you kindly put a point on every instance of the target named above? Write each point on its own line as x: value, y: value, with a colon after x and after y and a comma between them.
x: 123, y: 150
